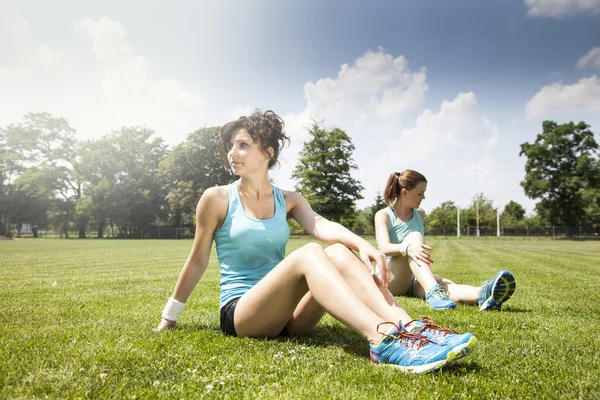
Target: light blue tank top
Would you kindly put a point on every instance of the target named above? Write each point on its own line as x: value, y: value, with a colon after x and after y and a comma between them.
x: 249, y: 248
x: 398, y: 230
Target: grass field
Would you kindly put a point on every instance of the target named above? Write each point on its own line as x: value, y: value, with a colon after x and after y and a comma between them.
x: 76, y: 320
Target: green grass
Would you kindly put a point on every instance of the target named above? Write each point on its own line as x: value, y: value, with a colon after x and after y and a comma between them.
x: 76, y: 320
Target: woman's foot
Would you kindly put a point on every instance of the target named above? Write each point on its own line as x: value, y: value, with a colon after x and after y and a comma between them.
x: 409, y: 352
x: 497, y: 291
x: 438, y: 299
x: 460, y: 344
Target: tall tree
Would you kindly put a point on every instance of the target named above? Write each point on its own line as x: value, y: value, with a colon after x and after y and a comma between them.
x: 442, y: 219
x: 513, y: 214
x: 122, y: 170
x: 190, y: 168
x: 324, y: 175
x: 48, y: 143
x: 559, y: 167
x: 487, y: 213
x: 591, y: 196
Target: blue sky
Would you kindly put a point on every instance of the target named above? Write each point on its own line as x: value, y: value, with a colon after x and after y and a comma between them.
x: 449, y: 88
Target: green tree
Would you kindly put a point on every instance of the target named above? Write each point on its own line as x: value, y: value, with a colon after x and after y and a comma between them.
x: 48, y: 143
x: 324, y: 175
x: 559, y: 167
x: 513, y: 215
x: 10, y: 168
x: 591, y: 196
x: 124, y: 189
x: 34, y: 191
x: 190, y: 168
x: 442, y: 219
x: 487, y: 214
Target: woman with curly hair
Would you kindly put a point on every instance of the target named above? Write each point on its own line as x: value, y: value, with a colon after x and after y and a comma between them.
x: 400, y: 235
x: 266, y: 294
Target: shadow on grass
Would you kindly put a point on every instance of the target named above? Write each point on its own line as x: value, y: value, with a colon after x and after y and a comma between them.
x: 516, y: 310
x: 461, y: 367
x: 331, y: 335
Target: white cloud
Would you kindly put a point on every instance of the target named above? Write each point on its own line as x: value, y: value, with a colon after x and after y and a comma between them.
x: 591, y: 57
x: 22, y: 53
x: 455, y: 140
x: 131, y: 96
x: 240, y: 111
x: 377, y: 85
x: 558, y: 98
x: 370, y: 101
x: 561, y: 8
x: 366, y: 99
x: 108, y: 39
x: 458, y: 122
x: 47, y: 57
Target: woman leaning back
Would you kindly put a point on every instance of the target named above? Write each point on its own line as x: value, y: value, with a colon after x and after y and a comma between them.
x: 266, y: 294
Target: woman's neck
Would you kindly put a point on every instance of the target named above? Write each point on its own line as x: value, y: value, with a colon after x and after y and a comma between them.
x: 255, y: 187
x: 401, y: 209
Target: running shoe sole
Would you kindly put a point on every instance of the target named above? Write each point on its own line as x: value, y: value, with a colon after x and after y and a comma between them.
x: 465, y: 349
x: 503, y: 287
x: 419, y: 369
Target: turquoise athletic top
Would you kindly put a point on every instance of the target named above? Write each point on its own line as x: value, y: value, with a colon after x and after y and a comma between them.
x: 249, y: 248
x: 398, y: 230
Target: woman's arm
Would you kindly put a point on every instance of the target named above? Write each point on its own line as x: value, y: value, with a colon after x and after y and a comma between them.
x: 418, y: 252
x: 382, y: 224
x: 211, y: 209
x: 331, y: 232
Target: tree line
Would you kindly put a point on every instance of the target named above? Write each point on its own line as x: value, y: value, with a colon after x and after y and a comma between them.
x: 129, y: 180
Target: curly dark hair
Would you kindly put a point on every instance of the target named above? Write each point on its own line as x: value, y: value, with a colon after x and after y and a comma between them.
x: 265, y: 128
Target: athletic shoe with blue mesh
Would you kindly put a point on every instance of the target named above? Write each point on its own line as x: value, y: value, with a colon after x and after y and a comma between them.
x: 495, y: 292
x: 438, y: 299
x: 409, y: 352
x: 460, y: 344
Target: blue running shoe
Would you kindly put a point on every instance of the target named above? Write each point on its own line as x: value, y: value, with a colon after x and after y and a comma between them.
x: 408, y: 351
x: 495, y: 292
x: 460, y: 344
x: 438, y: 299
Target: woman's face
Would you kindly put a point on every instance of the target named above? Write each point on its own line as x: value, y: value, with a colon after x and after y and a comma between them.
x: 416, y: 195
x: 245, y: 155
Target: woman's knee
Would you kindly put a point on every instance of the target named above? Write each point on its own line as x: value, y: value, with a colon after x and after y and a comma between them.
x: 310, y: 254
x: 415, y: 237
x: 339, y: 251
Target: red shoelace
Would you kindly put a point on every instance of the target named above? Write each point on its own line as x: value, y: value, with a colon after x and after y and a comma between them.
x: 430, y: 324
x: 414, y: 339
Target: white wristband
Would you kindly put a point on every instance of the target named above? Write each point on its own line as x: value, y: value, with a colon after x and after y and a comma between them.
x: 173, y: 310
x: 404, y: 248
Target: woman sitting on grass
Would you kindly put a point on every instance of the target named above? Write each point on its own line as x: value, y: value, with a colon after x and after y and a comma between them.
x: 265, y: 294
x: 400, y: 235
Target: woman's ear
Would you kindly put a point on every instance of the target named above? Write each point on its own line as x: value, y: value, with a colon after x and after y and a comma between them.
x: 271, y: 153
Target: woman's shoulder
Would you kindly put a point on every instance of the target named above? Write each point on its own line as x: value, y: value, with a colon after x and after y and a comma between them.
x: 217, y: 191
x: 382, y: 214
x: 290, y: 195
x: 215, y: 195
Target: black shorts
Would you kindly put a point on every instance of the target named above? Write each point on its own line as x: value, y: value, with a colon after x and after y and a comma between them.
x: 227, y: 326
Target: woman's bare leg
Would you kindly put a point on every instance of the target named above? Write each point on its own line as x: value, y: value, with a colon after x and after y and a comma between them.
x: 371, y: 293
x: 464, y: 294
x: 401, y: 276
x: 368, y: 288
x: 421, y: 270
x: 268, y: 307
